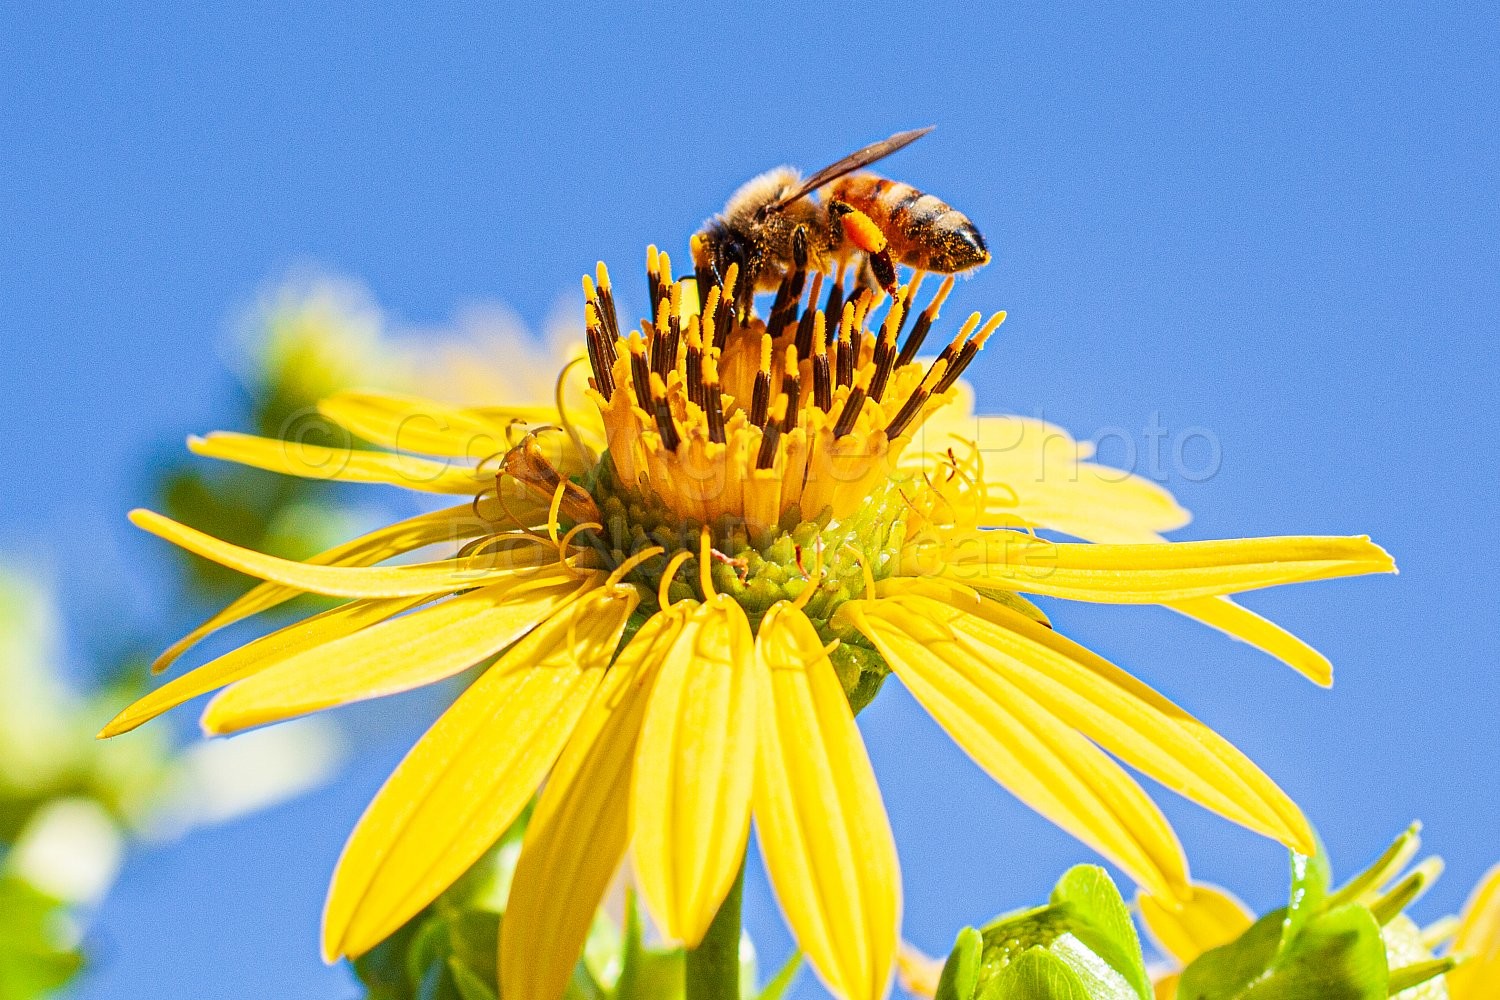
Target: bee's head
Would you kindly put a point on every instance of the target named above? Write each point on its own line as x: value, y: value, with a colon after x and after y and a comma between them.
x: 725, y: 244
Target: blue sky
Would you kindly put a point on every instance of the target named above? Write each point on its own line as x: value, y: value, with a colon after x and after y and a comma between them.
x: 1274, y: 226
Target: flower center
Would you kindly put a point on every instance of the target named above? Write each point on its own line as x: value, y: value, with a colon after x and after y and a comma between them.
x: 712, y: 414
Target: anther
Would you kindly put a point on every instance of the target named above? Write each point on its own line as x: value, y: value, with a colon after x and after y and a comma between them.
x: 713, y: 405
x: 760, y: 396
x: 967, y: 352
x: 924, y: 323
x: 693, y: 375
x: 607, y: 310
x: 771, y: 435
x: 640, y: 371
x: 822, y: 376
x: 791, y: 385
x: 915, y: 401
x: 844, y: 360
x: 852, y: 406
x: 835, y: 304
x: 665, y: 425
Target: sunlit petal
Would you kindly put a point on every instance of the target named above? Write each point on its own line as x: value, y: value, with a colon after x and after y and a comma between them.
x: 522, y: 558
x: 351, y: 465
x: 577, y: 835
x: 249, y: 659
x: 1240, y: 622
x: 452, y: 524
x: 396, y: 655
x: 1118, y: 712
x: 472, y: 773
x: 409, y: 423
x: 822, y: 826
x: 1205, y: 918
x: 1022, y: 746
x: 695, y: 770
x: 1141, y: 574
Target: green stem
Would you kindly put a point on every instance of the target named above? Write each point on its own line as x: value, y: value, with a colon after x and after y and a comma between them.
x: 713, y: 968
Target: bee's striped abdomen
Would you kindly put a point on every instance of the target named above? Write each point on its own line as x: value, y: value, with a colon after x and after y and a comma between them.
x: 924, y: 231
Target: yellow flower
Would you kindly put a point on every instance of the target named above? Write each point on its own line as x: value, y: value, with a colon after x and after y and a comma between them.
x: 687, y: 587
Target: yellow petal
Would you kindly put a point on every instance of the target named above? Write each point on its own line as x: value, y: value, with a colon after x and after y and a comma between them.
x: 1479, y: 938
x: 695, y: 770
x: 452, y: 524
x: 1224, y: 614
x: 408, y: 423
x: 257, y: 656
x: 355, y: 581
x: 959, y: 596
x: 396, y: 655
x: 1240, y: 622
x: 821, y: 824
x: 351, y: 465
x: 917, y: 972
x: 1127, y: 718
x: 1041, y: 761
x: 1207, y: 918
x: 1141, y: 574
x: 469, y: 777
x: 578, y: 833
x: 1086, y: 499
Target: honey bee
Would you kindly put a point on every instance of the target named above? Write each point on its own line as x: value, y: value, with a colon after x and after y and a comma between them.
x: 774, y: 223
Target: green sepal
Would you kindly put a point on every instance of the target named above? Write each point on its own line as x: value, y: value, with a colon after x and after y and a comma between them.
x: 1418, y: 974
x: 960, y: 976
x: 1101, y: 920
x: 1312, y: 877
x: 1337, y: 954
x: 1038, y: 974
x: 646, y: 973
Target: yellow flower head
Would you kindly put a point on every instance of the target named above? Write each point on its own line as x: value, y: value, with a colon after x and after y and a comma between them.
x: 689, y: 590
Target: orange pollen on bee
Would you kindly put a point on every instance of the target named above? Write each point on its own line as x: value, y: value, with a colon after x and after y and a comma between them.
x: 861, y: 230
x: 700, y: 417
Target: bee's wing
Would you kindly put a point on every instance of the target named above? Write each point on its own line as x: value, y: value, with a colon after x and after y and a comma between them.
x: 862, y: 158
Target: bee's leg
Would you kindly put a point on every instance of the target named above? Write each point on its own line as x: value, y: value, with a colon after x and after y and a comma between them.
x: 860, y: 230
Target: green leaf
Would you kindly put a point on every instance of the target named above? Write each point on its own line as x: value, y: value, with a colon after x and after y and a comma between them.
x: 429, y: 950
x: 474, y: 942
x: 1037, y: 974
x: 782, y: 981
x: 383, y: 969
x: 469, y: 985
x: 960, y: 976
x: 583, y: 986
